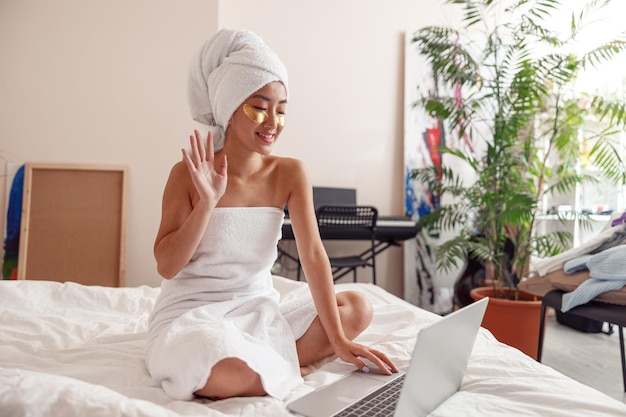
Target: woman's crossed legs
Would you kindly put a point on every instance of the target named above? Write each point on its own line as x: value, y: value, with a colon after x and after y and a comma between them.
x: 231, y: 377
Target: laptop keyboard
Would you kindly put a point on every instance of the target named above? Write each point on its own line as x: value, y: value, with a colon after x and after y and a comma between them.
x: 381, y: 402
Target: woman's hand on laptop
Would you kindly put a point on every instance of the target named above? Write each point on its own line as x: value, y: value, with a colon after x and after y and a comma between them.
x: 351, y: 352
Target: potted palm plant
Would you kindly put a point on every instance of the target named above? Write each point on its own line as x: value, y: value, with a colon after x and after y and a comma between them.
x: 519, y: 108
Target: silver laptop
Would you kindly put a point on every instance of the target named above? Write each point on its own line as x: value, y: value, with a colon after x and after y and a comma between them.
x: 437, y: 366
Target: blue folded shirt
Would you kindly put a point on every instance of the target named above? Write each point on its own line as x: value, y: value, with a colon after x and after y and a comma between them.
x: 607, y: 272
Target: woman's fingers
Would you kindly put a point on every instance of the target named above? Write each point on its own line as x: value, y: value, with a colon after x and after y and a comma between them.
x: 188, y: 160
x: 377, y: 358
x: 209, y: 144
x: 201, y: 148
x: 382, y: 361
x: 378, y: 362
x: 208, y: 177
x: 199, y: 152
x: 222, y: 168
x: 195, y: 155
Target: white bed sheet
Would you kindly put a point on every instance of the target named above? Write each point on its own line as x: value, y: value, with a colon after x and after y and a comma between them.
x: 70, y: 350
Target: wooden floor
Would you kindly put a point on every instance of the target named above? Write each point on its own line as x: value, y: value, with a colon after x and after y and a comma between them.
x: 591, y: 358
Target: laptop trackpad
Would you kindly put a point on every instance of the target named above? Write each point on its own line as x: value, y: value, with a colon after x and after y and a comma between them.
x: 332, y: 398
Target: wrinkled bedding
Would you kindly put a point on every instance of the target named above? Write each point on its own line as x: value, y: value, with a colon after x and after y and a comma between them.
x: 72, y: 350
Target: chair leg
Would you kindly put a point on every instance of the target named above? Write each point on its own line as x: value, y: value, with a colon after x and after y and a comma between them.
x: 298, y: 274
x: 542, y: 324
x: 354, y: 272
x: 373, y: 262
x: 621, y: 348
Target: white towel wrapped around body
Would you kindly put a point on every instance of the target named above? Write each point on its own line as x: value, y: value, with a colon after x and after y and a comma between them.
x: 223, y: 305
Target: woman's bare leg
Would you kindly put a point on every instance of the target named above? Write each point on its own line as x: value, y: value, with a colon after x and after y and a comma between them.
x: 231, y: 377
x: 356, y: 314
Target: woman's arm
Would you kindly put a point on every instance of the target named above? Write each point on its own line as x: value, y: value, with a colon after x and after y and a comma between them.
x: 192, y: 191
x: 312, y: 253
x: 316, y: 266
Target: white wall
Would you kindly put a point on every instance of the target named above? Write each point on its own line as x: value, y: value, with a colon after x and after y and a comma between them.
x: 89, y: 81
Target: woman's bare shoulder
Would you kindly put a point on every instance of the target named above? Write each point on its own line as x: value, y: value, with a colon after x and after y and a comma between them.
x: 179, y: 178
x: 289, y: 164
x: 179, y: 171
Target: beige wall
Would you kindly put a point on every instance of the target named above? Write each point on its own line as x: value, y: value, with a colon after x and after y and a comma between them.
x: 89, y: 81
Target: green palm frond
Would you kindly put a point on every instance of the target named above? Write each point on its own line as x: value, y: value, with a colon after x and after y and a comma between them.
x: 607, y: 156
x: 567, y: 181
x: 450, y: 63
x: 552, y: 243
x: 451, y: 254
x: 614, y: 111
x: 446, y: 217
x: 605, y: 52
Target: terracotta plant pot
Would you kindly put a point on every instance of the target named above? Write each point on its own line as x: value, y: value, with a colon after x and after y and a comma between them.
x: 515, y: 323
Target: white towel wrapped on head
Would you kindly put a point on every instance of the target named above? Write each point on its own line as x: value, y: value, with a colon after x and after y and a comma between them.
x: 228, y: 69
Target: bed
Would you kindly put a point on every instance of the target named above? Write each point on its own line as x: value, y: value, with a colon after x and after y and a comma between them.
x: 73, y: 350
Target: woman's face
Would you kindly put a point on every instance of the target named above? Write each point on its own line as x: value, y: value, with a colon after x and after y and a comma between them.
x: 260, y: 119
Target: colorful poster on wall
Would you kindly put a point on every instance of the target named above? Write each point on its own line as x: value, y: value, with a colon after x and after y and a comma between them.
x: 423, y: 135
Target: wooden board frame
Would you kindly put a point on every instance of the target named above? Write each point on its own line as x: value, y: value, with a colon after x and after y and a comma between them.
x: 73, y: 225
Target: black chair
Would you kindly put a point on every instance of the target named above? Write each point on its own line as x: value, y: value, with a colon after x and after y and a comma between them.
x: 361, y: 221
x: 610, y: 313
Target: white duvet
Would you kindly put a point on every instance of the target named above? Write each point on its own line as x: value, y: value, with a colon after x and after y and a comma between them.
x: 70, y: 350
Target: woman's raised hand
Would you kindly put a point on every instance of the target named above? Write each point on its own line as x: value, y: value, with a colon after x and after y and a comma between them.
x: 208, y: 177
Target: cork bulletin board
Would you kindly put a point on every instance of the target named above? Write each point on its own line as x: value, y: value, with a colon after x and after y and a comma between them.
x: 73, y: 225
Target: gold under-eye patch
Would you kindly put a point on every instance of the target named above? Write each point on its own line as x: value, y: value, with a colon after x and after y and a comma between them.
x: 259, y: 116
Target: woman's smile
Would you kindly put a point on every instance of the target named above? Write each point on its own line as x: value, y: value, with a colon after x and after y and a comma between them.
x: 266, y: 137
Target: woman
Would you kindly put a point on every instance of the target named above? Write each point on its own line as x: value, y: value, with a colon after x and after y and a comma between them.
x: 218, y: 329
